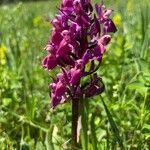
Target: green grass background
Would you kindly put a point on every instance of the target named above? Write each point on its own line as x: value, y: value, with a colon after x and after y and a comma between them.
x: 26, y: 120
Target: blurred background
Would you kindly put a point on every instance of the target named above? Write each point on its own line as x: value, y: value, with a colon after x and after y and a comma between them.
x: 16, y: 1
x: 26, y: 120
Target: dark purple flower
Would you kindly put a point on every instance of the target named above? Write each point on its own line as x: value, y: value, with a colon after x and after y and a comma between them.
x: 64, y: 49
x: 87, y: 56
x: 103, y: 15
x: 104, y: 40
x: 56, y: 37
x: 95, y: 27
x: 76, y: 74
x: 102, y: 12
x: 109, y: 26
x: 58, y: 89
x: 95, y: 87
x: 49, y: 62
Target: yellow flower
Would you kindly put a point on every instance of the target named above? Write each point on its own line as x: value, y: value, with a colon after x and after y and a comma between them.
x: 129, y: 5
x: 37, y: 20
x: 117, y: 20
x: 2, y: 55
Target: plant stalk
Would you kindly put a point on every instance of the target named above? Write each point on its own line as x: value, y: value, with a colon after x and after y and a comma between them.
x: 75, y: 114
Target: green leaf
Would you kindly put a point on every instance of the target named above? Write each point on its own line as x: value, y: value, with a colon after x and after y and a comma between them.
x: 6, y: 101
x: 113, y: 125
x: 93, y: 132
x: 138, y: 86
x: 48, y: 140
x: 40, y: 146
x: 146, y: 126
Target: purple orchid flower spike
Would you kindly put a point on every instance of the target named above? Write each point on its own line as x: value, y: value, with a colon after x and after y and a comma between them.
x: 78, y: 37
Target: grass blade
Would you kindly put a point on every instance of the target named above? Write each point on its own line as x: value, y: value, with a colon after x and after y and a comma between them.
x: 113, y: 126
x: 93, y: 132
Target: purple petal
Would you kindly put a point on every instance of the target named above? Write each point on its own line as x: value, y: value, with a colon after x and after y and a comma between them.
x: 64, y: 49
x: 98, y: 51
x: 95, y: 28
x: 98, y: 10
x: 56, y: 37
x: 109, y: 26
x: 95, y: 88
x: 107, y: 13
x: 49, y: 62
x: 67, y: 3
x: 86, y: 57
x: 105, y: 39
x: 55, y: 100
x: 60, y: 89
x: 76, y: 75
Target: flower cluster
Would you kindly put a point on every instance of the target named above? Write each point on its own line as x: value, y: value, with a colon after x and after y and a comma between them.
x: 78, y: 41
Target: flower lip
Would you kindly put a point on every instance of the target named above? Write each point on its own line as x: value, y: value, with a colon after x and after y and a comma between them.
x: 75, y: 76
x: 109, y: 26
x: 105, y: 39
x: 95, y: 87
x: 64, y: 49
x: 66, y: 35
x: 49, y: 62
